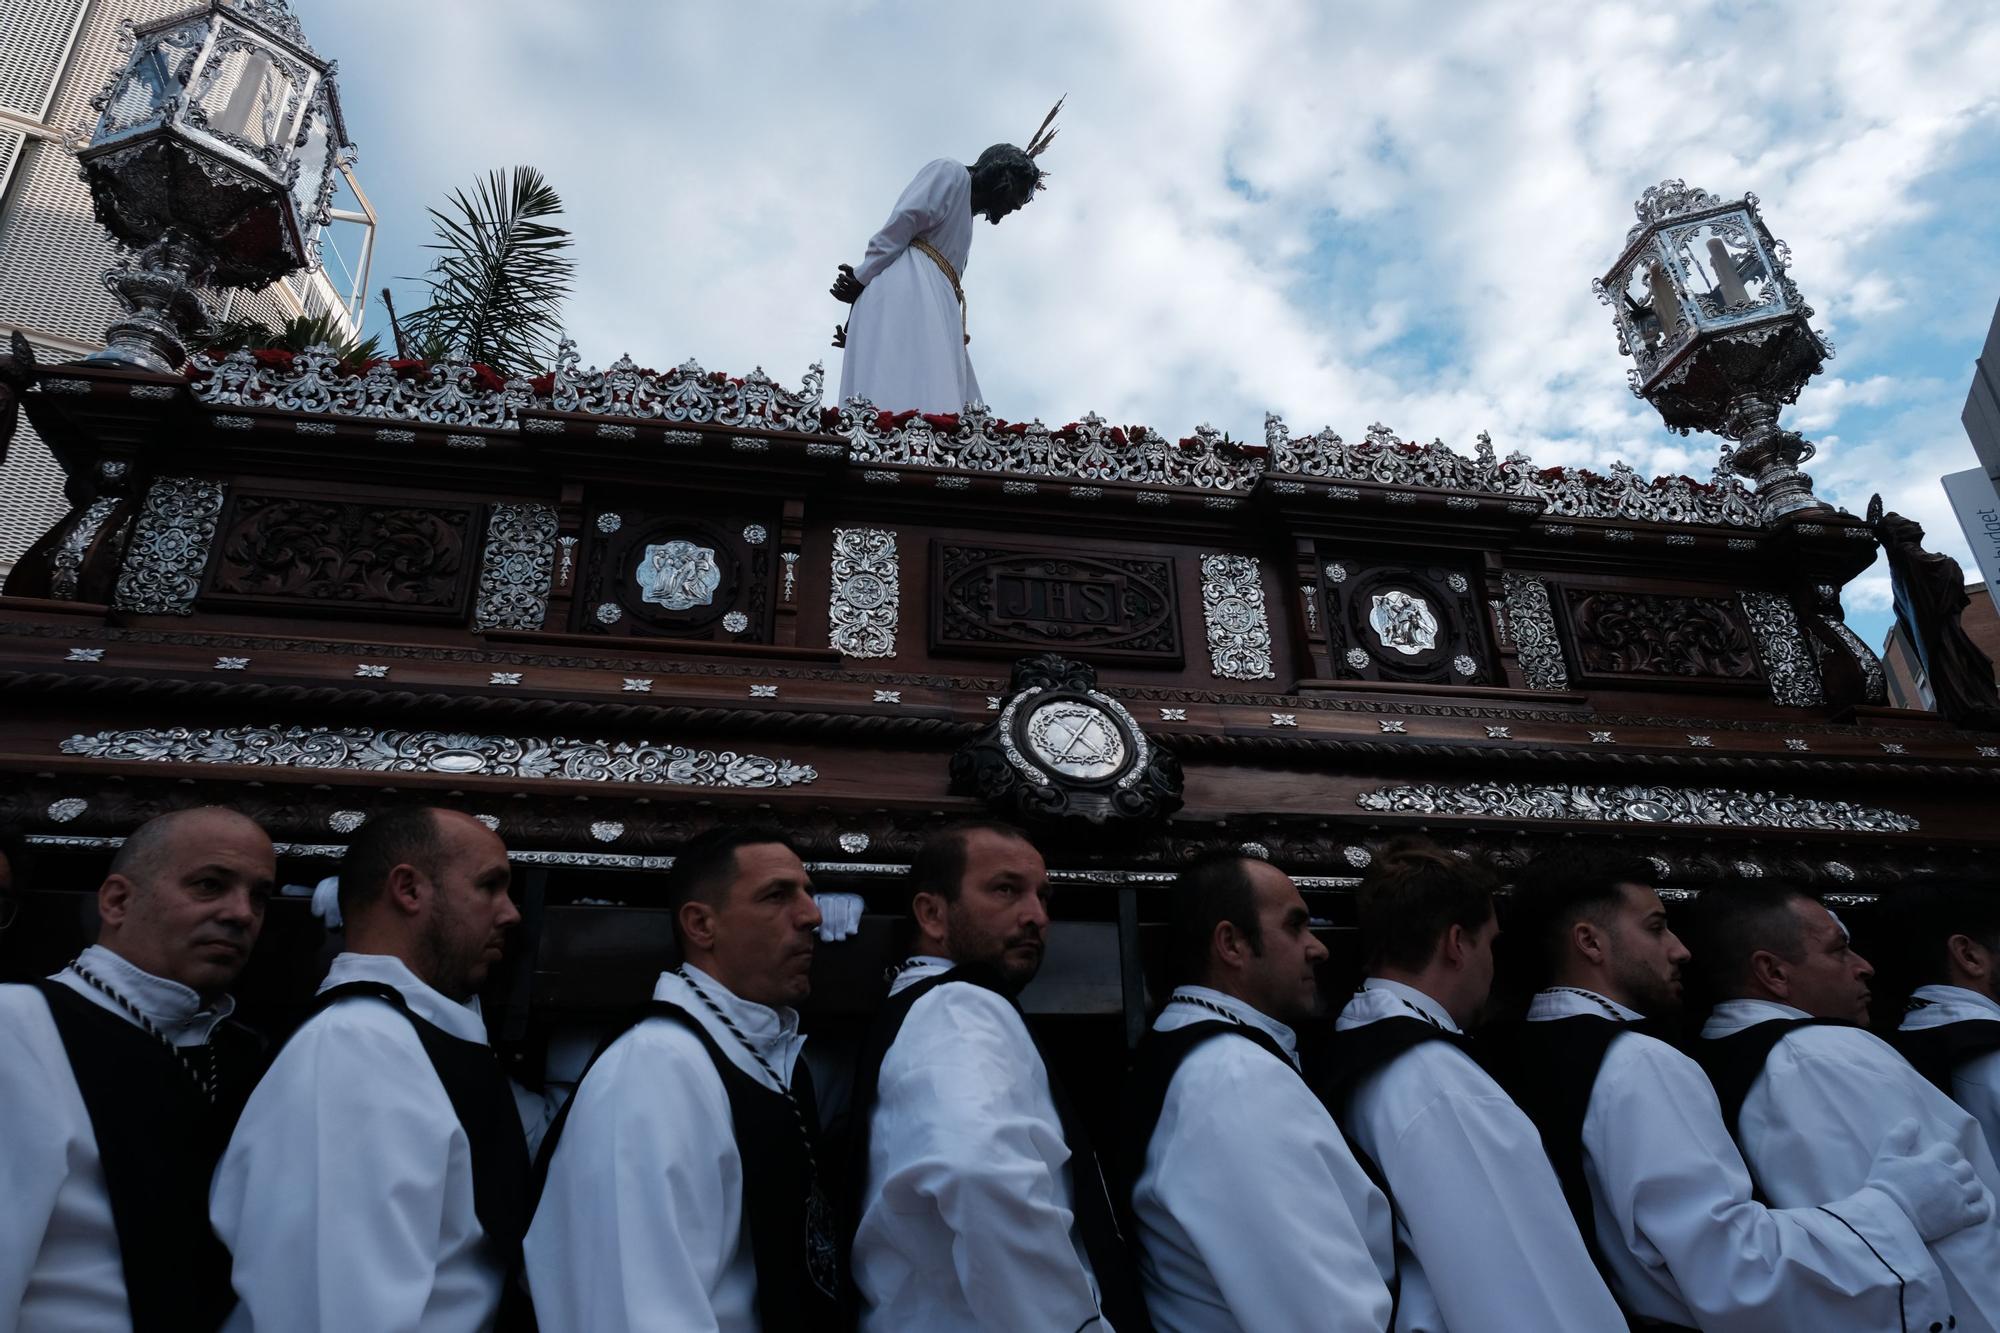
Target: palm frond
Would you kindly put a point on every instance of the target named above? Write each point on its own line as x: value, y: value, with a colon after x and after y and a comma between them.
x: 295, y: 335
x: 502, y: 273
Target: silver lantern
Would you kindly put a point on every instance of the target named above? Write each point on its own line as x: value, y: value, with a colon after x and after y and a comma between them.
x: 214, y: 158
x: 1717, y: 332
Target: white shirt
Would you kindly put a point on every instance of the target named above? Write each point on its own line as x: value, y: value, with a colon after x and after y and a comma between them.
x: 906, y: 345
x: 1484, y: 1236
x: 1683, y: 1239
x: 1815, y: 1117
x: 1975, y: 1084
x: 966, y: 1218
x: 60, y: 1266
x: 1252, y: 1213
x: 345, y: 1195
x: 641, y: 1225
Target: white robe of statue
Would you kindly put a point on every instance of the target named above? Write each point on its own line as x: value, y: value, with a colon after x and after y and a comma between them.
x: 905, y: 338
x: 1815, y: 1118
x: 1685, y: 1242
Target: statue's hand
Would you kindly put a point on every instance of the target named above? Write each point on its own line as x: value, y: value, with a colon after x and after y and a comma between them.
x: 840, y: 335
x: 846, y: 287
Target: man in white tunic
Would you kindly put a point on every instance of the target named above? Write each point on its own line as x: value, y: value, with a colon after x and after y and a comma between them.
x: 1815, y: 1099
x: 1638, y: 1140
x: 1485, y: 1242
x: 119, y: 1079
x: 1252, y: 1212
x: 906, y: 340
x: 981, y: 1204
x: 683, y: 1185
x: 1951, y: 1029
x: 378, y: 1177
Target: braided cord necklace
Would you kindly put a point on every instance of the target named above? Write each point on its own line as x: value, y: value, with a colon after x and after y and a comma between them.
x: 1182, y: 997
x: 1596, y: 999
x: 822, y: 1252
x: 204, y: 1079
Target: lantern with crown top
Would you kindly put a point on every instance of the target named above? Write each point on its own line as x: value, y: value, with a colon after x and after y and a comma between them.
x: 214, y: 157
x: 1718, y: 334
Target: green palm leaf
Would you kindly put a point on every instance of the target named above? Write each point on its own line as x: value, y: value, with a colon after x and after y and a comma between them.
x: 502, y: 272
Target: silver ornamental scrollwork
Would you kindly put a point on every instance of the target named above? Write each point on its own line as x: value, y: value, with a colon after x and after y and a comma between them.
x: 518, y: 568
x: 169, y: 547
x: 367, y: 749
x: 448, y: 392
x: 867, y: 590
x: 1719, y: 806
x: 1232, y: 605
x: 66, y: 564
x: 1874, y: 685
x: 1532, y: 626
x: 1618, y: 493
x: 1789, y: 665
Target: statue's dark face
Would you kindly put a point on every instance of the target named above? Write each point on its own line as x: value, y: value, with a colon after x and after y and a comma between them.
x: 1010, y: 194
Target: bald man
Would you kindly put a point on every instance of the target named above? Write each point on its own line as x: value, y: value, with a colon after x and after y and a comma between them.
x: 120, y: 1079
x: 379, y: 1177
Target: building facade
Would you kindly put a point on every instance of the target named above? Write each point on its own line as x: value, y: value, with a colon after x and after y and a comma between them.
x: 55, y: 55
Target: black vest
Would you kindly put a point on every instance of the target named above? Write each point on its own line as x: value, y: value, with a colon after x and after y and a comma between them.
x: 779, y: 1180
x: 1734, y: 1062
x: 484, y: 1103
x: 1352, y: 1055
x: 1938, y: 1052
x: 1096, y: 1220
x: 1549, y: 1069
x: 159, y: 1141
x: 1153, y: 1068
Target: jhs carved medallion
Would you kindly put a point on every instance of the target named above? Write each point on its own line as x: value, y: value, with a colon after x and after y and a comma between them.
x: 990, y: 599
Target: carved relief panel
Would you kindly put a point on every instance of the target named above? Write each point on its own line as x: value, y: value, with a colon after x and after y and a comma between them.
x: 645, y: 573
x: 1623, y: 637
x: 344, y: 557
x: 1004, y: 600
x: 1397, y: 621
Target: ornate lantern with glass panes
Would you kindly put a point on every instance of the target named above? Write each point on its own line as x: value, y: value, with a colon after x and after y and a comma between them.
x: 214, y: 157
x: 1718, y: 333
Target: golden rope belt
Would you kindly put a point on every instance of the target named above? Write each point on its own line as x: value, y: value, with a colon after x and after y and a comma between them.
x: 951, y: 276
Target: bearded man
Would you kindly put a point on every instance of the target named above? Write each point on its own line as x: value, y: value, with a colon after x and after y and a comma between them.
x: 379, y: 1176
x: 907, y: 337
x: 120, y: 1077
x: 1637, y: 1137
x: 980, y: 1202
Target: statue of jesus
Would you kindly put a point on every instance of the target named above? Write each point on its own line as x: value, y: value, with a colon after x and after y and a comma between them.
x: 907, y: 337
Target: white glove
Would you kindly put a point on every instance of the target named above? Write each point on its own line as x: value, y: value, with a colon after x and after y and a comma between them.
x: 1937, y: 1187
x: 839, y: 915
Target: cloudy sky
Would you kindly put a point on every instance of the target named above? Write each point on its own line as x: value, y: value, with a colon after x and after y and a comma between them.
x: 1343, y: 213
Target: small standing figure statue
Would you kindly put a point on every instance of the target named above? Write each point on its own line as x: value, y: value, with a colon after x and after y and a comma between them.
x: 907, y: 336
x: 1930, y: 597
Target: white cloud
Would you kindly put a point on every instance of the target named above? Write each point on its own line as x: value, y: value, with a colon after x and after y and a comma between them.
x: 1346, y: 214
